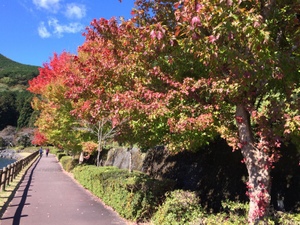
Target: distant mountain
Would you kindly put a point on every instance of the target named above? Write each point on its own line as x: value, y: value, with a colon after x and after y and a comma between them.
x: 15, y: 100
x: 14, y: 76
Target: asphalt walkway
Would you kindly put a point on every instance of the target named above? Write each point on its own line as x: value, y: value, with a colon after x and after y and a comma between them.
x: 48, y: 196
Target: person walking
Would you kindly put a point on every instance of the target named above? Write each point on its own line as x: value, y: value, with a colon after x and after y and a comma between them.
x: 47, y: 152
x: 41, y: 152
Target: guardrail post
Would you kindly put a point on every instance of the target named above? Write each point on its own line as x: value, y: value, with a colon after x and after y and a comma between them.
x: 1, y: 173
x: 4, y: 178
x: 8, y: 175
x: 13, y: 171
x: 18, y: 166
x: 23, y: 163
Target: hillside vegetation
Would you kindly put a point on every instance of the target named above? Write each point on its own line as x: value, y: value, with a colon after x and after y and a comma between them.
x: 15, y: 100
x: 14, y: 76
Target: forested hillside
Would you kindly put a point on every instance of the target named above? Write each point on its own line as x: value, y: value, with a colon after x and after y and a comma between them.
x: 15, y: 106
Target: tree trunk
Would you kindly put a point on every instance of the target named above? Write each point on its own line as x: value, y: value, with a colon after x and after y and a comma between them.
x: 99, y: 152
x: 130, y: 159
x: 98, y: 158
x: 100, y: 137
x: 81, y: 158
x: 258, y: 168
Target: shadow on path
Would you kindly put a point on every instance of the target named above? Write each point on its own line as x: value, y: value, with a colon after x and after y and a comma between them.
x: 50, y: 197
x: 18, y: 213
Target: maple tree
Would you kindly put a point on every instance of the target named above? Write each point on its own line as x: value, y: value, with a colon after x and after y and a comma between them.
x: 180, y: 73
x: 254, y: 95
x: 240, y: 79
x: 55, y: 121
x: 224, y: 68
x: 38, y: 138
x: 104, y: 131
x: 89, y: 147
x: 94, y: 83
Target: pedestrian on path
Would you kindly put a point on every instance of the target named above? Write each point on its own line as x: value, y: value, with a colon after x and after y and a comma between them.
x: 41, y: 152
x: 47, y: 152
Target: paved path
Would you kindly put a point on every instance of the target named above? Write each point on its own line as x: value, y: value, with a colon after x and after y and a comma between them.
x: 48, y: 196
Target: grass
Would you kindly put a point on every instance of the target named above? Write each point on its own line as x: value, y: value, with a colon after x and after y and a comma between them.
x: 24, y: 154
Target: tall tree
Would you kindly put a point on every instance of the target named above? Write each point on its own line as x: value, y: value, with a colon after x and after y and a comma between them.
x: 95, y: 82
x: 23, y: 106
x: 251, y: 77
x: 228, y: 68
x: 8, y: 111
x: 55, y: 121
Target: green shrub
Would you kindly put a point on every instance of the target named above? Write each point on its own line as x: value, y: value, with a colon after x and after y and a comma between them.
x: 68, y: 163
x: 287, y: 218
x: 133, y: 195
x: 55, y: 151
x: 138, y: 197
x: 180, y: 207
x: 235, y: 213
x: 279, y: 218
x: 60, y: 155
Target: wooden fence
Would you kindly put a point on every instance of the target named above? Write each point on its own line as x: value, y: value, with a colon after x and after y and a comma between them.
x: 9, y: 173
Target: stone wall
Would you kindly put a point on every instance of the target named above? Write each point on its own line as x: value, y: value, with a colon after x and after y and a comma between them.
x: 214, y: 172
x: 122, y: 157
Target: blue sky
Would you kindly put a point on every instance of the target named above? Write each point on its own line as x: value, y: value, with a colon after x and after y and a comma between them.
x: 32, y: 30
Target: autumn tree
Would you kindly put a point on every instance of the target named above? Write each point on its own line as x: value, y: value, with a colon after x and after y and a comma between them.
x: 249, y: 50
x: 94, y: 83
x: 228, y: 68
x: 55, y: 121
x: 38, y: 138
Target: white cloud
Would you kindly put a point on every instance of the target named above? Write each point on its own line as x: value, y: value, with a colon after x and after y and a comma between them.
x: 50, y: 5
x: 74, y: 10
x: 42, y: 30
x: 55, y: 27
x: 60, y: 29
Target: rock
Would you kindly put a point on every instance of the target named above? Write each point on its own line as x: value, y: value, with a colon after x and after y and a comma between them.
x: 9, y: 154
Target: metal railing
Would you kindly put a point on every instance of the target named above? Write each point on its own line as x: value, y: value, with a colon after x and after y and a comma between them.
x: 9, y: 173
